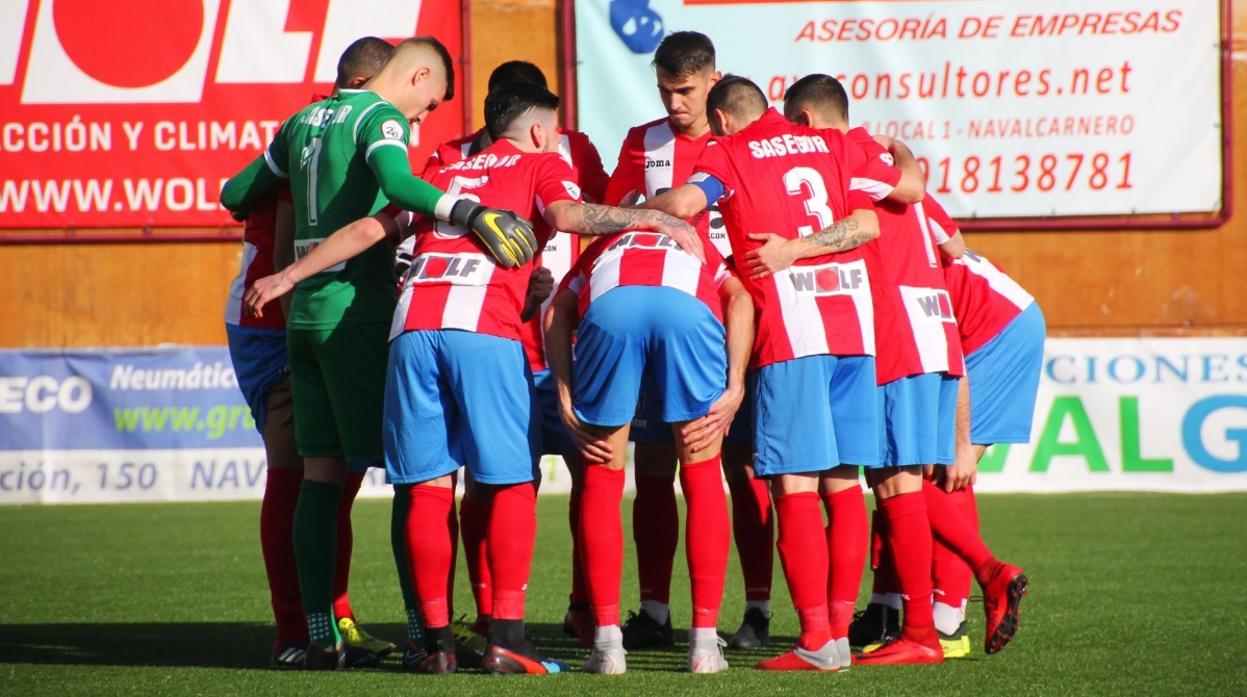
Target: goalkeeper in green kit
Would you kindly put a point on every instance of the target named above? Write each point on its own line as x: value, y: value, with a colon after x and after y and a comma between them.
x: 346, y: 158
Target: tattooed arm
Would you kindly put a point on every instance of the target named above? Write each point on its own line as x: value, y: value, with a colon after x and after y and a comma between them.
x: 594, y: 219
x: 778, y: 253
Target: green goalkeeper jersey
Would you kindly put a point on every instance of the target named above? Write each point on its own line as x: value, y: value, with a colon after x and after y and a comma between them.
x: 325, y: 151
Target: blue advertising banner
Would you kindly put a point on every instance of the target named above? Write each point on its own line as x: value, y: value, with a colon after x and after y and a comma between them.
x: 184, y: 397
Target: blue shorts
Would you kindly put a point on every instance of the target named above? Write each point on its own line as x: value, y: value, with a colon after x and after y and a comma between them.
x: 1004, y: 380
x: 632, y: 333
x: 555, y: 438
x: 648, y: 426
x: 815, y: 413
x: 456, y: 398
x: 919, y: 417
x: 260, y: 363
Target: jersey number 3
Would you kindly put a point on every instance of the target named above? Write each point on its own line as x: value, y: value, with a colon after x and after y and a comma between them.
x: 808, y: 183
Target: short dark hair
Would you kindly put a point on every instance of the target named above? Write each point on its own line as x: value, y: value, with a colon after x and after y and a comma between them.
x: 447, y: 63
x: 684, y: 53
x: 736, y: 95
x: 363, y: 58
x: 817, y: 92
x: 511, y: 100
x: 517, y: 71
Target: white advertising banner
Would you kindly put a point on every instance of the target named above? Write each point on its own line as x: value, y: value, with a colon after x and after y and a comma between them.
x: 1017, y: 109
x: 1112, y: 415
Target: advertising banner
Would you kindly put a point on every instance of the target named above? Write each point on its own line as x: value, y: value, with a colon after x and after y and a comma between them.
x: 170, y: 425
x: 132, y: 114
x: 1016, y: 109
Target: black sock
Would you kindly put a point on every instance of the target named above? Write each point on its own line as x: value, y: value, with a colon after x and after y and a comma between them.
x: 506, y: 633
x: 439, y: 639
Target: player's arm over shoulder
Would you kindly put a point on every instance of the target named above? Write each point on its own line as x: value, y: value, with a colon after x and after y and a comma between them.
x: 382, y: 136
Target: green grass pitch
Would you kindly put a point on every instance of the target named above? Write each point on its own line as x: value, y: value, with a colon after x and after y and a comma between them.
x: 1131, y: 595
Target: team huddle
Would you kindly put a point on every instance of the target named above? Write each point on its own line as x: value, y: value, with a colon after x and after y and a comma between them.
x: 765, y: 297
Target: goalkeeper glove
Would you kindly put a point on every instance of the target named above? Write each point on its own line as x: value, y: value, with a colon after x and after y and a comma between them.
x: 508, y: 237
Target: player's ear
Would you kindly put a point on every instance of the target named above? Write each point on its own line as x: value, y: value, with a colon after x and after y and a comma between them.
x: 537, y: 136
x: 422, y: 73
x: 805, y: 118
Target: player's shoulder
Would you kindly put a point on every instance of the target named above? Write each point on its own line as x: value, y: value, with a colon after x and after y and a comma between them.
x: 649, y: 129
x: 575, y: 138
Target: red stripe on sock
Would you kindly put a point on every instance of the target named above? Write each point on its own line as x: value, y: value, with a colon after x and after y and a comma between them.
x: 951, y: 575
x: 281, y: 495
x: 346, y: 544
x: 512, y: 534
x: 909, y: 541
x: 707, y: 537
x: 803, y: 552
x: 580, y: 592
x: 754, y: 529
x: 952, y: 529
x: 601, y: 537
x: 655, y: 529
x: 847, y: 544
x: 474, y: 525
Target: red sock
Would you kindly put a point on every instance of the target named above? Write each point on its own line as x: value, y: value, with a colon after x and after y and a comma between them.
x: 601, y: 538
x: 281, y: 494
x: 346, y: 542
x: 847, y: 545
x: 950, y: 575
x: 474, y: 524
x: 909, y: 539
x: 580, y: 593
x: 706, y: 537
x: 803, y: 552
x: 512, y: 535
x: 884, y: 581
x: 952, y: 529
x: 754, y: 529
x: 431, y: 550
x: 656, y: 532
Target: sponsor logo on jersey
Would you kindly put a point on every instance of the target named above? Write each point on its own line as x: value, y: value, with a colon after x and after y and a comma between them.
x: 643, y: 240
x: 828, y: 279
x: 459, y: 269
x: 572, y: 189
x: 935, y: 305
x: 303, y: 247
x: 651, y: 163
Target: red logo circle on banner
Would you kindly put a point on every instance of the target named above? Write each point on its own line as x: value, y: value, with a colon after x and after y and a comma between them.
x: 129, y: 44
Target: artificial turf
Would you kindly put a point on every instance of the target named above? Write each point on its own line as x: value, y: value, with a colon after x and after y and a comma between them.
x: 1131, y: 594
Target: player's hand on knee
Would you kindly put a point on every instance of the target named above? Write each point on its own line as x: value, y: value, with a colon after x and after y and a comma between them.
x: 593, y: 445
x: 962, y: 473
x: 701, y: 433
x: 508, y: 237
x: 264, y: 291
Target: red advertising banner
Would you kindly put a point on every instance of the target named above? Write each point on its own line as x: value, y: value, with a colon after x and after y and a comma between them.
x: 131, y: 113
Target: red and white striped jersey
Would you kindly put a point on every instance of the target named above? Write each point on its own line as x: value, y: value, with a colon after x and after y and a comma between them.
x: 643, y: 258
x: 561, y: 250
x: 654, y: 158
x: 984, y: 298
x: 257, y: 262
x: 793, y: 181
x: 914, y: 321
x: 453, y: 282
